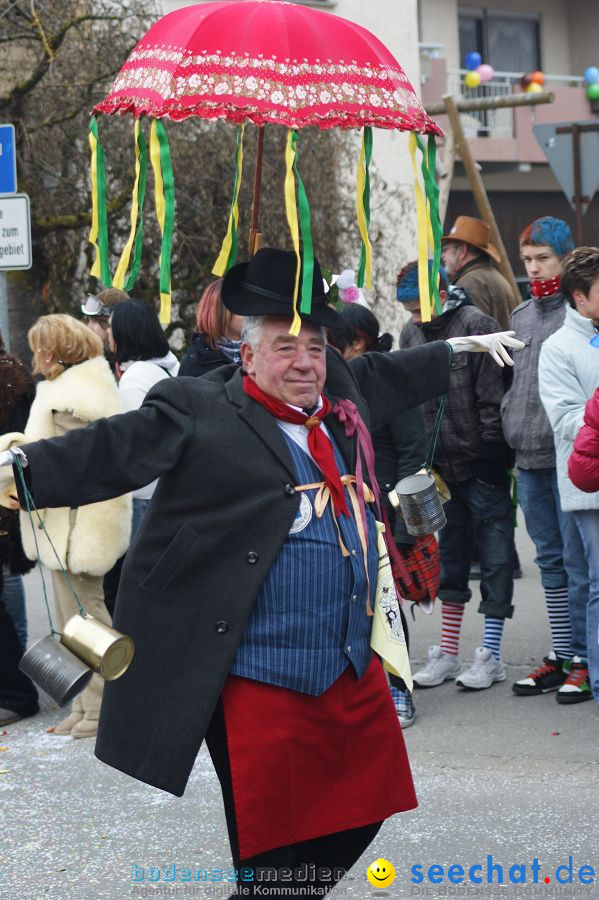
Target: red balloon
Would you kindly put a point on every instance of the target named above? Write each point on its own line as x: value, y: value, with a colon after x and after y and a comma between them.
x: 538, y: 77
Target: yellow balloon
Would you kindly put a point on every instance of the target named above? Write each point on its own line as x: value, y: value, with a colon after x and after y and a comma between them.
x: 472, y: 79
x: 534, y: 88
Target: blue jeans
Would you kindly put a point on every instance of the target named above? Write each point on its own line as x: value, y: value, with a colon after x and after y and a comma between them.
x: 560, y: 553
x: 481, y: 512
x: 588, y: 524
x: 13, y: 597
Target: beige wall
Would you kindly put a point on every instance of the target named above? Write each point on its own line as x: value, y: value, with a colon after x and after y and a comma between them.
x: 439, y: 25
x: 584, y: 35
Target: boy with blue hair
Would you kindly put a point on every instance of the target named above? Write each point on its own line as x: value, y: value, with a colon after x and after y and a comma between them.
x: 544, y: 244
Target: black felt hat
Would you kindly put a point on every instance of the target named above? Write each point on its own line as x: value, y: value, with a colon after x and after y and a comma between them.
x: 264, y: 287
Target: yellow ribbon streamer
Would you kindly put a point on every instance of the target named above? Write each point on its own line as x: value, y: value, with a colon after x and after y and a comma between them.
x: 292, y: 220
x: 121, y: 270
x: 96, y: 270
x: 220, y: 266
x: 165, y: 298
x: 421, y: 216
x: 362, y: 224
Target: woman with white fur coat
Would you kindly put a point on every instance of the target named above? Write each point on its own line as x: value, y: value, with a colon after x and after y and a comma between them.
x: 78, y: 388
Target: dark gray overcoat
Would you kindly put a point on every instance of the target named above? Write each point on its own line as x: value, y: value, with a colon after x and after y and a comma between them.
x: 220, y: 514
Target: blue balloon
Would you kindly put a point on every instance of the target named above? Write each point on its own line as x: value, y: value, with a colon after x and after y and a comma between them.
x: 474, y: 59
x: 591, y: 74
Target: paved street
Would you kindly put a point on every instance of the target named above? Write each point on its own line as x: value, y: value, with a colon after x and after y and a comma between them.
x: 501, y: 776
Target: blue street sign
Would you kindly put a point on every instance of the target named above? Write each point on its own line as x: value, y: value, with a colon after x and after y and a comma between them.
x: 8, y: 160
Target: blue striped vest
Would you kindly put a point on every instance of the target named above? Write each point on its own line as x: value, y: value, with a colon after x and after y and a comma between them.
x: 309, y: 621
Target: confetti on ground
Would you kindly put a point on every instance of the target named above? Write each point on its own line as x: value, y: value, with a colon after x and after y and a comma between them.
x: 4, y: 771
x: 554, y: 733
x: 3, y: 748
x: 50, y: 729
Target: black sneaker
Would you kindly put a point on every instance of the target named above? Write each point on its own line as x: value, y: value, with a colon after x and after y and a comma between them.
x: 576, y: 687
x: 549, y: 676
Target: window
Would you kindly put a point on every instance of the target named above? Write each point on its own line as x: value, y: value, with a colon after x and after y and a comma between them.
x: 509, y: 43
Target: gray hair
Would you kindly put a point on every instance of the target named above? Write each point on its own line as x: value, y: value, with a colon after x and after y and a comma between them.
x: 251, y: 330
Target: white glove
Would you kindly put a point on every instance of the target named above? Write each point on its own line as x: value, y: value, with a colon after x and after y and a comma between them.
x: 6, y: 457
x: 494, y: 344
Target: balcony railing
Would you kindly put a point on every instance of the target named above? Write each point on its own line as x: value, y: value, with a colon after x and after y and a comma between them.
x: 496, y: 123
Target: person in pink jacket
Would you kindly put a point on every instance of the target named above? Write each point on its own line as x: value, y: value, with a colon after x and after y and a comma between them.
x: 583, y: 465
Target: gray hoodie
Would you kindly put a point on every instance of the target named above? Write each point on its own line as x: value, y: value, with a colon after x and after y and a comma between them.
x: 525, y: 423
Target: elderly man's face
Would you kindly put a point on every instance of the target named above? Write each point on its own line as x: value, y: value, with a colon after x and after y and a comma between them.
x: 292, y: 369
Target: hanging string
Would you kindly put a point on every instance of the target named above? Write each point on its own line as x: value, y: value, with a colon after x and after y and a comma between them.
x: 432, y: 446
x: 98, y: 235
x: 421, y: 217
x: 137, y: 202
x: 363, y: 209
x: 292, y: 221
x: 29, y: 506
x: 228, y: 250
x: 164, y: 195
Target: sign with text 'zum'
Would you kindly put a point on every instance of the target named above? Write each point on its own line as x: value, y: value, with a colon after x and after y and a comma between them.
x: 15, y: 232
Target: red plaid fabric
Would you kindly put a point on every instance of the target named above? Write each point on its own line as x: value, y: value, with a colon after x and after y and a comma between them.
x: 417, y: 569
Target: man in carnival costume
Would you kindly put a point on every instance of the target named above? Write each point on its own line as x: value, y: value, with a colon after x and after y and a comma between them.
x: 544, y: 244
x: 248, y: 586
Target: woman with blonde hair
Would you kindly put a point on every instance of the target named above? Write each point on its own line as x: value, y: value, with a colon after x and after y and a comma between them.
x: 78, y: 389
x: 217, y: 341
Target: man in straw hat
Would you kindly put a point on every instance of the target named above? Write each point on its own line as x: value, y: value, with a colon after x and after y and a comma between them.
x: 468, y: 257
x: 248, y: 586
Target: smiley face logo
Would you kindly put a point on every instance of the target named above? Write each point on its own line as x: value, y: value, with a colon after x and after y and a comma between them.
x: 380, y: 873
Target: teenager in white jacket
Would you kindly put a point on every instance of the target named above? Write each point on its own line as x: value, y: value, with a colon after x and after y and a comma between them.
x: 568, y: 377
x: 143, y: 358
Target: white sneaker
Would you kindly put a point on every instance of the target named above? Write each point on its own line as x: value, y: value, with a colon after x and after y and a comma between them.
x: 483, y: 672
x: 439, y: 668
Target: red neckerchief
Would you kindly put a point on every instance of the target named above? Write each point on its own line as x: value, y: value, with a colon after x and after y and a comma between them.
x: 545, y: 288
x: 319, y: 444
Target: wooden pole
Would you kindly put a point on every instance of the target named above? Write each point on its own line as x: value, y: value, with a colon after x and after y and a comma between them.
x: 255, y: 240
x: 480, y: 103
x: 446, y: 178
x: 478, y: 189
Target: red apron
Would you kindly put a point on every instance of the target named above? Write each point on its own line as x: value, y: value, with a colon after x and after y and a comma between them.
x: 304, y: 766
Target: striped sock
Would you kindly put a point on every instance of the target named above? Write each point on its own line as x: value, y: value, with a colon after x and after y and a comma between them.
x: 493, y: 635
x: 559, y: 621
x: 451, y: 619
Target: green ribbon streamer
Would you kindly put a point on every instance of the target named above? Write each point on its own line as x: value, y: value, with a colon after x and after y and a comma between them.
x: 102, y: 211
x: 431, y: 189
x: 365, y: 200
x: 234, y: 236
x: 141, y: 194
x: 169, y: 208
x: 306, y: 231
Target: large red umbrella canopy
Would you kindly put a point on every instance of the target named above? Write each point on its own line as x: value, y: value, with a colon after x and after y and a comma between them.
x: 266, y: 61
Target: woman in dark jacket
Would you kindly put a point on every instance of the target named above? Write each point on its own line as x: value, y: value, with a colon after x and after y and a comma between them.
x: 399, y: 448
x: 217, y: 341
x: 18, y: 696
